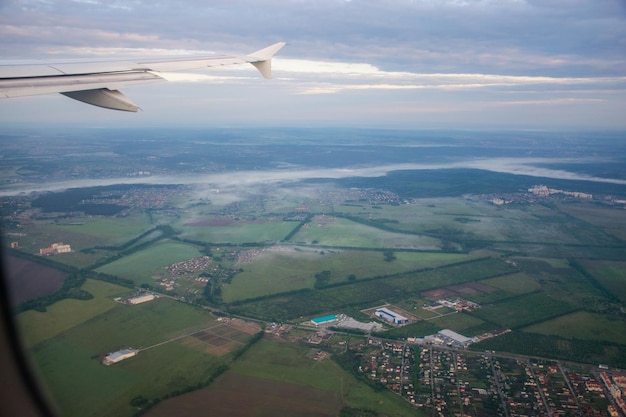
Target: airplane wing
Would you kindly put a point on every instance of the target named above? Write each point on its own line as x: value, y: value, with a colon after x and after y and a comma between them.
x: 97, y: 83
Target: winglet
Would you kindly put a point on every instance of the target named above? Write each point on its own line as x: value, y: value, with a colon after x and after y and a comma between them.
x: 262, y: 59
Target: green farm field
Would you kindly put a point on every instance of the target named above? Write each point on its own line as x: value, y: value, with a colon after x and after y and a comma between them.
x: 140, y: 266
x: 259, y: 397
x: 523, y: 310
x: 415, y: 306
x: 368, y: 293
x: 611, y: 220
x: 609, y: 274
x: 424, y: 214
x: 70, y: 365
x: 479, y: 220
x: 108, y: 231
x: 584, y: 325
x: 142, y: 325
x: 519, y: 283
x: 138, y: 326
x: 36, y: 326
x: 289, y: 363
x: 241, y: 232
x: 283, y: 379
x: 281, y: 271
x: 457, y: 322
x: 333, y: 231
x: 81, y: 385
x: 83, y: 233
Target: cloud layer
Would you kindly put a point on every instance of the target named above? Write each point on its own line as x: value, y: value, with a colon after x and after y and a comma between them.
x: 556, y: 62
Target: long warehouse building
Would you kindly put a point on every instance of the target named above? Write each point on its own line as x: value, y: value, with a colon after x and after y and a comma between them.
x: 391, y: 316
x: 119, y: 356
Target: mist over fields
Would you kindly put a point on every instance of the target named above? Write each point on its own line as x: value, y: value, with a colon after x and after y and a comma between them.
x: 237, y: 159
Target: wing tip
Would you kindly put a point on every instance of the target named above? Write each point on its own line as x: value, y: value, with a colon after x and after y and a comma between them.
x: 262, y: 59
x: 268, y: 52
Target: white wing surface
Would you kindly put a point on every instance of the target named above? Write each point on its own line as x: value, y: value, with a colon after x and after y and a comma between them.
x: 98, y: 83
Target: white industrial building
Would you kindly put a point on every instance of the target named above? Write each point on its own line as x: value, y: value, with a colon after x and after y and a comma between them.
x: 350, y: 323
x: 456, y: 337
x: 142, y: 299
x: 119, y: 356
x: 391, y: 316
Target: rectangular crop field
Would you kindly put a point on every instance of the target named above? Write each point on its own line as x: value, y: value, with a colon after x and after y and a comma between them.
x: 610, y: 220
x: 335, y: 231
x: 519, y: 283
x: 69, y: 362
x: 82, y: 386
x: 453, y: 274
x: 584, y: 325
x: 83, y: 233
x: 282, y: 379
x: 107, y: 230
x: 523, y: 310
x: 27, y: 280
x: 287, y: 306
x: 36, y: 327
x: 142, y: 325
x: 218, y: 339
x: 274, y: 271
x: 485, y: 221
x: 610, y: 274
x: 457, y: 322
x: 369, y: 292
x: 237, y: 232
x: 140, y: 266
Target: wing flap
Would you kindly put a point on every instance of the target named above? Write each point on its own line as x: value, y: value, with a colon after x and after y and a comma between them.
x: 28, y: 86
x: 103, y: 97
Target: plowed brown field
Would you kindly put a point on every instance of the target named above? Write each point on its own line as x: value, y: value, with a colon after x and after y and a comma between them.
x: 241, y: 396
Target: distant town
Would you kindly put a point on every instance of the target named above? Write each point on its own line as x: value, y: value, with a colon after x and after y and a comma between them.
x: 538, y: 192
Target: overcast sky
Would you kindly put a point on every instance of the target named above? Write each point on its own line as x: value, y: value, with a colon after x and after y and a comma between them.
x: 531, y: 64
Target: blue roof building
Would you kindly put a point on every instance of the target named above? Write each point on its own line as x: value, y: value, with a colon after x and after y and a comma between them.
x: 322, y: 320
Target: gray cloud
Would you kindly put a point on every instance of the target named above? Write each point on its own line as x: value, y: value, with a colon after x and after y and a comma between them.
x: 557, y: 39
x: 437, y: 35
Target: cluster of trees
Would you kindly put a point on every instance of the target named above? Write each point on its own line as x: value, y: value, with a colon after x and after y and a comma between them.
x: 322, y: 279
x: 389, y: 256
x: 212, y: 293
x: 75, y: 200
